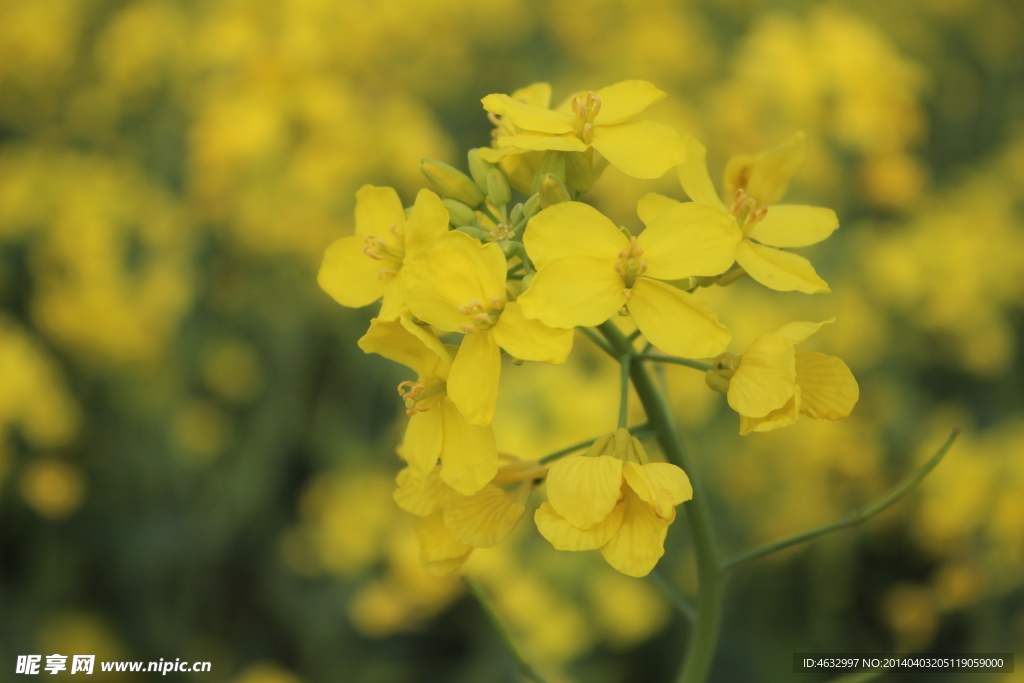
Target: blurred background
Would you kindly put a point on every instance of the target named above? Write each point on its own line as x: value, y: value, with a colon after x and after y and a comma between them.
x: 196, y: 460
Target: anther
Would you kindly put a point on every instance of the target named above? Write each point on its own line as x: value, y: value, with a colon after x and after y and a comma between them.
x: 385, y: 272
x: 495, y: 302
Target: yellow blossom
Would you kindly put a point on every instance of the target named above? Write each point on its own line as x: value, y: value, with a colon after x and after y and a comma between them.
x: 588, y: 270
x: 459, y: 286
x: 601, y: 120
x: 451, y: 524
x: 752, y: 186
x: 358, y: 270
x: 620, y: 503
x: 771, y: 384
x: 437, y: 430
x: 518, y: 167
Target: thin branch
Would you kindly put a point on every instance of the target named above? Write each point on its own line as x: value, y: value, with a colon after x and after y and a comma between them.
x: 858, y: 517
x: 506, y: 639
x: 638, y: 431
x: 658, y: 358
x: 597, y: 339
x: 678, y: 600
x: 625, y: 362
x: 632, y: 337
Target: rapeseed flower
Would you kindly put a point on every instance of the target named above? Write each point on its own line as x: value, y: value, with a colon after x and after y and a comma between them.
x: 451, y: 525
x: 359, y: 269
x: 771, y: 384
x: 437, y: 430
x: 459, y: 286
x: 601, y: 120
x: 752, y: 186
x: 589, y: 269
x: 621, y: 503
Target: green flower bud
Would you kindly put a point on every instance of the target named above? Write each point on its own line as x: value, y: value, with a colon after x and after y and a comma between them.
x: 452, y: 183
x: 478, y: 168
x: 509, y: 248
x: 553, y: 191
x: 497, y: 187
x: 458, y: 213
x: 579, y: 170
x: 516, y: 215
x: 475, y: 233
x: 532, y: 206
x: 553, y: 163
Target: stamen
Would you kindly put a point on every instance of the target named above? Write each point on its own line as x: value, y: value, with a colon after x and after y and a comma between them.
x: 495, y: 302
x: 385, y: 272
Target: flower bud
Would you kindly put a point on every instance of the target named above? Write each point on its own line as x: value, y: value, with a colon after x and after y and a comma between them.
x: 478, y: 168
x: 452, y: 183
x: 553, y: 163
x: 516, y: 215
x: 473, y: 232
x: 458, y: 213
x: 553, y: 191
x: 532, y: 206
x: 497, y: 187
x: 509, y: 248
x: 579, y: 170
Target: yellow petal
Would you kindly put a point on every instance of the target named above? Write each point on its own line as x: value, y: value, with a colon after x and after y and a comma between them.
x: 421, y: 496
x: 584, y: 489
x: 411, y: 345
x: 737, y: 174
x: 640, y: 541
x: 528, y: 116
x: 440, y: 553
x: 675, y: 321
x: 495, y: 155
x: 351, y: 277
x: 769, y: 179
x: 484, y: 519
x: 537, y: 94
x: 458, y: 271
x: 572, y: 229
x: 474, y: 377
x: 574, y: 291
x: 625, y: 100
x: 469, y: 456
x: 766, y: 377
x: 689, y: 239
x: 827, y: 387
x: 642, y: 149
x: 527, y: 339
x: 785, y: 416
x: 779, y: 270
x: 392, y: 305
x: 426, y: 224
x: 567, y: 142
x: 793, y: 225
x: 564, y: 536
x: 652, y: 205
x: 693, y: 175
x: 798, y: 332
x: 661, y: 485
x: 377, y: 210
x: 421, y: 445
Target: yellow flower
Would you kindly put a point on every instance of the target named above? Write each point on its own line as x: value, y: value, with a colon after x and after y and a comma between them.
x: 459, y: 286
x: 364, y: 267
x: 437, y: 430
x: 752, y: 183
x: 771, y: 384
x: 451, y: 524
x: 519, y: 167
x: 621, y: 503
x: 602, y: 120
x: 588, y: 270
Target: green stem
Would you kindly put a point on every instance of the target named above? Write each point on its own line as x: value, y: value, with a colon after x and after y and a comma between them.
x: 698, y: 515
x: 695, y: 364
x: 858, y: 517
x: 625, y: 362
x: 639, y: 431
x: 506, y: 639
x: 601, y: 343
x: 632, y: 337
x: 678, y: 600
x: 577, y: 196
x: 490, y: 214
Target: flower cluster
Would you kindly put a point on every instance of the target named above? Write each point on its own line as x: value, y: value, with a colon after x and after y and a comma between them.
x: 466, y: 274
